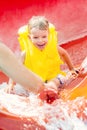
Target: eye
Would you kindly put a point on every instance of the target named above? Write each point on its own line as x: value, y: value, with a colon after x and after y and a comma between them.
x: 35, y: 37
x: 44, y: 37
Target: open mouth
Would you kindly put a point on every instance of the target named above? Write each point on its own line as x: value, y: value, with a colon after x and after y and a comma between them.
x: 41, y: 46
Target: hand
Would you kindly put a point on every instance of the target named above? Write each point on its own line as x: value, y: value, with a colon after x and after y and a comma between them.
x: 79, y: 72
x: 49, y: 94
x: 75, y: 72
x: 82, y: 72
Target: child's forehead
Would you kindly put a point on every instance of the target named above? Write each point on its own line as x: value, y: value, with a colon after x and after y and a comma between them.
x: 35, y: 30
x: 38, y: 32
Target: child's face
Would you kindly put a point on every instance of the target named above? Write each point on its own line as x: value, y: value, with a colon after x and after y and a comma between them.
x: 39, y: 37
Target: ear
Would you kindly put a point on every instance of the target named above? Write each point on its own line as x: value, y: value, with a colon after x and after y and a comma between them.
x: 29, y: 36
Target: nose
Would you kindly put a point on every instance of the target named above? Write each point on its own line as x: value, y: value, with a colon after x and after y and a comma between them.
x: 40, y: 40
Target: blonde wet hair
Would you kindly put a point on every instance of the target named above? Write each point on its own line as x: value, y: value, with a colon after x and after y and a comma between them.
x: 39, y: 22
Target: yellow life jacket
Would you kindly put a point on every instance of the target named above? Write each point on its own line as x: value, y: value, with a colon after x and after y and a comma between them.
x: 45, y: 63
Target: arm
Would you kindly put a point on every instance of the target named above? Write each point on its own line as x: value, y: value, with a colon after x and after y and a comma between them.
x: 15, y: 70
x: 11, y: 83
x: 65, y: 57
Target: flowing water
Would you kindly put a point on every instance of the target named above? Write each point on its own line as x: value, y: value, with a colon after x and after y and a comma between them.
x: 60, y: 115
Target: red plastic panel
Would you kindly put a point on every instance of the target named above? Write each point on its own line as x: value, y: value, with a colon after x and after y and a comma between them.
x: 69, y: 17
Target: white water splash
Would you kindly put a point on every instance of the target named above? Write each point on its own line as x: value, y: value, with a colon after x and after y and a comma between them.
x: 61, y: 115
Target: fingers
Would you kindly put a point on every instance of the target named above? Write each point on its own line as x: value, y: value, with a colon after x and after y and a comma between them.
x: 48, y: 95
x: 51, y: 85
x: 74, y: 73
x: 81, y: 72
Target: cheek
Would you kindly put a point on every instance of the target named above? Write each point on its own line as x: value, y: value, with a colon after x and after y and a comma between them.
x: 35, y: 41
x: 32, y: 39
x: 46, y: 40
